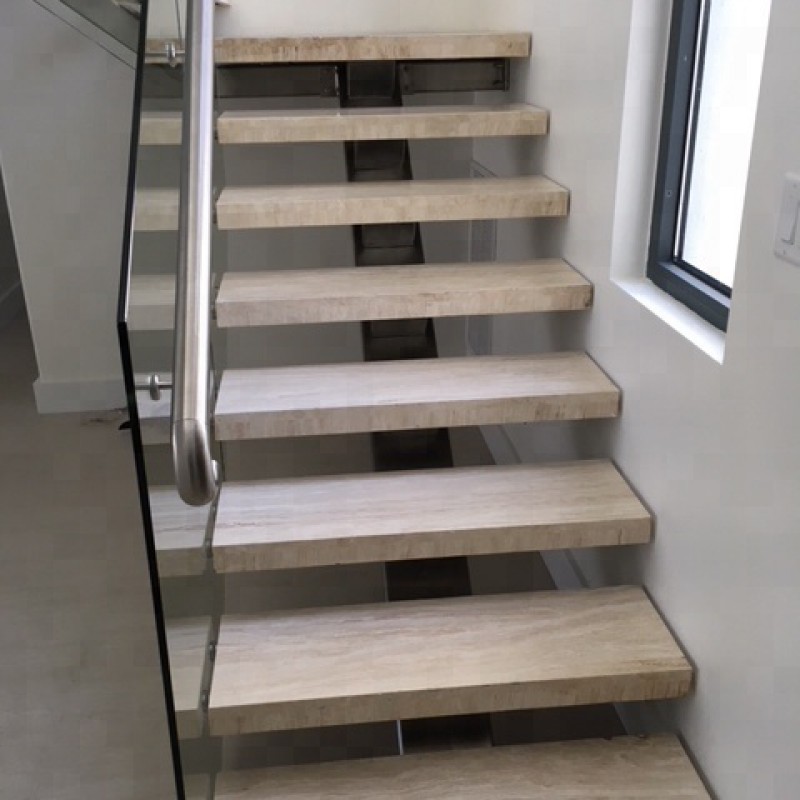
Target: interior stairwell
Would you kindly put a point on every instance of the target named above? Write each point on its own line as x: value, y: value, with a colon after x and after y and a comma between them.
x: 441, y: 666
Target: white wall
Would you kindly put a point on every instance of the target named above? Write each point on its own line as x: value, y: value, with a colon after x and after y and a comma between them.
x: 64, y: 146
x: 256, y: 18
x: 351, y: 17
x: 714, y: 448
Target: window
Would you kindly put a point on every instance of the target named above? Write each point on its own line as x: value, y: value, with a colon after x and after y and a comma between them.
x: 712, y: 86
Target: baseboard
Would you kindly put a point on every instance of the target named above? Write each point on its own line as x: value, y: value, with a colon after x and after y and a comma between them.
x: 62, y: 397
x: 12, y: 304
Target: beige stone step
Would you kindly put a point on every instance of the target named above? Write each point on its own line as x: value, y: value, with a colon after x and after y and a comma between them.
x: 399, y: 47
x: 241, y: 208
x: 377, y: 47
x: 187, y: 644
x: 389, y: 201
x: 465, y: 655
x: 361, y: 293
x: 284, y: 524
x: 334, y: 295
x: 349, y: 124
x: 179, y: 532
x: 363, y: 124
x: 154, y: 416
x: 404, y: 395
x: 160, y: 128
x: 152, y: 303
x: 156, y: 210
x: 630, y: 768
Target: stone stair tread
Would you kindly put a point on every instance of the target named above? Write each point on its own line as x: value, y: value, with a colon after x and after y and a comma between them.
x: 370, y: 47
x: 160, y: 128
x: 366, y: 124
x: 351, y: 124
x: 249, y: 207
x: 152, y: 303
x: 377, y: 47
x: 156, y: 210
x: 416, y: 394
x: 465, y: 655
x: 179, y: 531
x: 283, y: 524
x: 369, y: 203
x: 154, y: 416
x: 284, y: 297
x: 655, y: 768
x: 187, y: 643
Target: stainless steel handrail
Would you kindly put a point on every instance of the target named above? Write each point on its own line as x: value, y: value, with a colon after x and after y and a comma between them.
x: 195, y: 471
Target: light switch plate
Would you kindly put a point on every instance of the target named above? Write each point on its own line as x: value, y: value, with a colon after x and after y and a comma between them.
x: 787, y: 239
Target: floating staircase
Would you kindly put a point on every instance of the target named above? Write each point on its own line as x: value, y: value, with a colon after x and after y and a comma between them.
x: 435, y: 657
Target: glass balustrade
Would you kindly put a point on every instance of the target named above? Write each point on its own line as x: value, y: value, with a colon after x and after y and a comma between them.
x: 186, y: 595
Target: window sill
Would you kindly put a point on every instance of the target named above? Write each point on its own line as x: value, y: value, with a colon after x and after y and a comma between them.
x: 700, y: 333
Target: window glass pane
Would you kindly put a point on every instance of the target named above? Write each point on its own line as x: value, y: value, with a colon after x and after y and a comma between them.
x: 724, y: 134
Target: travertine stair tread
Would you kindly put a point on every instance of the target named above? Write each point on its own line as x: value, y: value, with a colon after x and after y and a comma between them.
x: 363, y: 124
x: 251, y: 207
x: 388, y: 201
x: 152, y: 303
x: 465, y: 655
x: 282, y: 524
x: 618, y: 769
x: 154, y: 415
x: 160, y: 128
x: 397, y: 47
x: 364, y: 293
x: 187, y: 644
x: 180, y: 532
x: 156, y: 210
x: 403, y: 395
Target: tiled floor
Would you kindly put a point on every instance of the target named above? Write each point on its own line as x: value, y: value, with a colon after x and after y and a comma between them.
x: 81, y: 709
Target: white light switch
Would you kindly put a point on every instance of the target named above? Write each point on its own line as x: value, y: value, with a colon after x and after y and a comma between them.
x: 787, y: 240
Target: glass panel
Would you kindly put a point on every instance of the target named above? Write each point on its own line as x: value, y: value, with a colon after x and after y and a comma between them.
x: 187, y: 597
x: 726, y: 115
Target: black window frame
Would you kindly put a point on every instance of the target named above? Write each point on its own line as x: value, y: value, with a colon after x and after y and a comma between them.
x: 684, y: 82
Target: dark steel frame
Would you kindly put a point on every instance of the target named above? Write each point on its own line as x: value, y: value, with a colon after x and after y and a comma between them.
x: 684, y: 83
